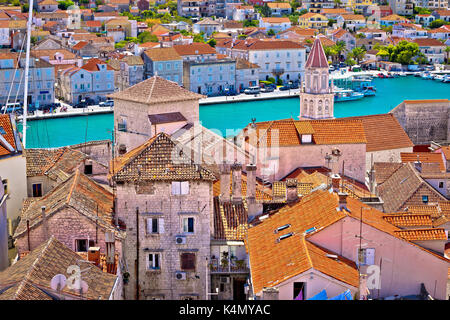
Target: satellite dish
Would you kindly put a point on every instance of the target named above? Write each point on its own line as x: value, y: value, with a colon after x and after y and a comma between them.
x: 58, y: 282
x: 84, y: 287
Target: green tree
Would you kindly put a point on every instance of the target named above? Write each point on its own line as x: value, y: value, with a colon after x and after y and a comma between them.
x: 251, y: 23
x: 294, y: 18
x: 331, y: 22
x: 199, y: 37
x: 25, y: 7
x: 212, y: 42
x: 242, y: 36
x: 147, y: 37
x: 303, y: 11
x: 63, y: 5
x: 265, y: 10
x: 437, y: 23
x: 166, y: 18
x: 270, y: 33
x: 99, y: 2
x: 447, y: 53
x: 419, y: 10
x: 358, y: 54
x: 404, y: 52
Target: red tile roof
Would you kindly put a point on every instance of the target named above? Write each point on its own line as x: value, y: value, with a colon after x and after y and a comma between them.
x: 424, y: 157
x: 92, y: 65
x: 8, y: 135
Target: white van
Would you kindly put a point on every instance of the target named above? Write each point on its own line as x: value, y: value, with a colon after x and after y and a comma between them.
x: 252, y: 90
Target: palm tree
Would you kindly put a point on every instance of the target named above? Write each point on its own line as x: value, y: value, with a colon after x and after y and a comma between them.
x: 358, y: 54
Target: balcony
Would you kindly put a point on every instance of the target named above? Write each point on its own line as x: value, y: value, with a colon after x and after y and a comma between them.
x: 277, y: 71
x: 226, y: 266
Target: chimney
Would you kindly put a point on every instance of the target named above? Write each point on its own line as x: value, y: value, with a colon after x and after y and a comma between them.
x: 270, y: 294
x: 342, y: 200
x: 291, y: 190
x: 94, y: 255
x: 335, y: 182
x: 236, y: 170
x: 44, y: 223
x: 418, y: 165
x: 224, y: 182
x: 251, y: 182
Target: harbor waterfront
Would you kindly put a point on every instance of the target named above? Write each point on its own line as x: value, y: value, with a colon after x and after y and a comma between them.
x: 228, y: 118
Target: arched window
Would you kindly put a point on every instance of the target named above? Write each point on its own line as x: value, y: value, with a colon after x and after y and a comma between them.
x: 305, y: 106
x: 319, y: 107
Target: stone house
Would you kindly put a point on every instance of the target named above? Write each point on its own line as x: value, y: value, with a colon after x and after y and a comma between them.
x: 128, y: 71
x: 247, y: 74
x: 345, y: 36
x: 281, y: 59
x: 312, y: 20
x: 78, y: 212
x: 424, y: 120
x: 133, y: 106
x: 47, y: 6
x: 165, y: 201
x: 95, y: 79
x: 98, y: 150
x: 47, y: 168
x: 279, y: 9
x: 207, y: 26
x: 32, y: 273
x: 196, y: 51
x: 351, y: 22
x: 277, y: 24
x: 383, y: 145
x: 276, y: 146
x: 402, y: 185
x: 210, y: 77
x: 433, y: 49
x: 165, y: 62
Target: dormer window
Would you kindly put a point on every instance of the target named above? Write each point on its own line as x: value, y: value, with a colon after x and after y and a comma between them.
x: 306, y: 138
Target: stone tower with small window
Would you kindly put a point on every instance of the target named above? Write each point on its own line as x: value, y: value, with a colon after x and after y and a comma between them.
x: 165, y: 202
x: 316, y: 95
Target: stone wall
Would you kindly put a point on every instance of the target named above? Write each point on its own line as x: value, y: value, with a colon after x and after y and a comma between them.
x: 155, y: 200
x: 67, y: 225
x: 138, y: 125
x: 424, y: 121
x: 101, y: 152
x: 312, y: 155
x: 391, y: 155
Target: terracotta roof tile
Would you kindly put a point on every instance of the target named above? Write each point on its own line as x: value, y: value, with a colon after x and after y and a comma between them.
x: 409, y: 220
x: 424, y: 157
x: 422, y: 234
x: 383, y: 170
x: 391, y: 137
x: 78, y: 192
x: 160, y: 159
x: 155, y: 90
x: 194, y: 48
x: 7, y: 132
x: 431, y: 209
x: 162, y: 54
x: 262, y: 193
x: 230, y: 221
x: 29, y: 278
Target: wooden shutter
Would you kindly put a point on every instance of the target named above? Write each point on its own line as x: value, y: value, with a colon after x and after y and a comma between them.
x: 185, y: 187
x: 149, y: 225
x: 161, y: 225
x: 188, y: 261
x: 370, y: 256
x: 176, y: 188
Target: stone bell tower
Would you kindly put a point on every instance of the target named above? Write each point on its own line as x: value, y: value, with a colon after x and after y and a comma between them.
x: 316, y: 95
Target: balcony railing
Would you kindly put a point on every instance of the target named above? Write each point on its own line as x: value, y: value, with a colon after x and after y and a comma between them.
x: 278, y: 71
x: 122, y: 127
x: 236, y: 266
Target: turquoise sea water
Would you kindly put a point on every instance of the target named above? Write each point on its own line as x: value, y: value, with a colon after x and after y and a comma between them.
x: 227, y: 118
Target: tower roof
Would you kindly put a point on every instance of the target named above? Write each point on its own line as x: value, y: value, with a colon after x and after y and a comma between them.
x: 317, y: 57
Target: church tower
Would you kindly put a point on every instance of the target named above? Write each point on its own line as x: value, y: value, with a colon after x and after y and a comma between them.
x: 316, y: 95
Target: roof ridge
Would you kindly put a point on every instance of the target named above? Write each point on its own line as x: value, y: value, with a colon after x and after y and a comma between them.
x: 33, y: 265
x: 72, y: 188
x: 151, y: 90
x: 307, y: 252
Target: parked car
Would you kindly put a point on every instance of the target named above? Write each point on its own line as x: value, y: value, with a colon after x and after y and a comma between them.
x: 267, y: 89
x: 284, y: 88
x: 252, y: 90
x: 108, y: 103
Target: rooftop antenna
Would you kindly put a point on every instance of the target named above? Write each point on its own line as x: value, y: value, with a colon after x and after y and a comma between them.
x: 27, y: 67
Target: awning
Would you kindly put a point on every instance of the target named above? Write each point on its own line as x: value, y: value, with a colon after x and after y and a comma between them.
x: 322, y: 295
x: 346, y: 295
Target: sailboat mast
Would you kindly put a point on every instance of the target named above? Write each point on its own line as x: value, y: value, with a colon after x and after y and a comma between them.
x: 27, y: 67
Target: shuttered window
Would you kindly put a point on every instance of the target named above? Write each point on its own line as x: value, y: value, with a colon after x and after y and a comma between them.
x: 188, y: 261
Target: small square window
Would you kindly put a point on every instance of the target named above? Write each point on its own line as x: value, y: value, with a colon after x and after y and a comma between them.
x: 425, y: 199
x: 188, y: 225
x: 81, y: 245
x: 37, y: 190
x: 441, y: 184
x: 188, y: 261
x: 153, y: 261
